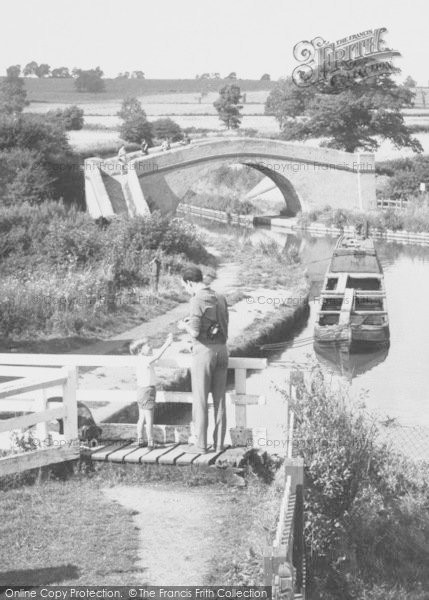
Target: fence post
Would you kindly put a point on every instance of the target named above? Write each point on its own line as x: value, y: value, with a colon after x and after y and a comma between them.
x: 70, y: 405
x: 42, y: 430
x: 240, y: 388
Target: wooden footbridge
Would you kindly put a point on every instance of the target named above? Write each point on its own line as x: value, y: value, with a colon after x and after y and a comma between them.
x: 38, y: 379
x: 41, y: 378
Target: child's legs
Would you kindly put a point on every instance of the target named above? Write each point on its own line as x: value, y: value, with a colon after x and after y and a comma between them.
x: 148, y: 416
x: 140, y: 423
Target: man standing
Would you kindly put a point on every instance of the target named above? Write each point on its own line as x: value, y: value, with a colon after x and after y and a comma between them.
x: 207, y: 324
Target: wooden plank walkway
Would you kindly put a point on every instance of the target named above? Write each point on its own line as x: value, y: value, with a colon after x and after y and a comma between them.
x: 167, y: 454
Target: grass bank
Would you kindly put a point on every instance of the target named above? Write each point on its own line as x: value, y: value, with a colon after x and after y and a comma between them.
x: 415, y: 218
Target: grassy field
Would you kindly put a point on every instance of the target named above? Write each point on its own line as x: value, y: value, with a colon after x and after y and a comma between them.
x: 64, y: 91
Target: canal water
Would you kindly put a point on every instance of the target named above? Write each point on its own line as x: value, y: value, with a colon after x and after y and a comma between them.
x: 394, y: 382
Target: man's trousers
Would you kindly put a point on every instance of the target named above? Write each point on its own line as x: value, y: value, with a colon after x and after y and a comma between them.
x: 208, y: 371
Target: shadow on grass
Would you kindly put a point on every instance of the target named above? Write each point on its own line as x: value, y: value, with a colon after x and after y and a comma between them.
x: 36, y: 577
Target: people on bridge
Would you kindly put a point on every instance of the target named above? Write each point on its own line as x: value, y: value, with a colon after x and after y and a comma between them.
x: 144, y: 147
x: 146, y: 385
x: 122, y: 156
x: 166, y: 145
x: 207, y: 325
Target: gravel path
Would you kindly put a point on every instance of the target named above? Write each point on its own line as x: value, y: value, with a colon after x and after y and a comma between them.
x: 179, y: 531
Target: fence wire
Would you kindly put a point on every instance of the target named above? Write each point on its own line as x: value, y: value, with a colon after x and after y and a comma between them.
x: 410, y: 440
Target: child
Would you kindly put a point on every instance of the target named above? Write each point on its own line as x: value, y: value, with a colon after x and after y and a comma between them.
x: 146, y: 384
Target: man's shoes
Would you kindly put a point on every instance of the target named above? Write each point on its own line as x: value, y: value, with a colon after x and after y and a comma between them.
x: 220, y: 448
x: 192, y: 449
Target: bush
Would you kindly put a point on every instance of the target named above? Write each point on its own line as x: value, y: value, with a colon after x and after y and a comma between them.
x: 23, y: 178
x: 366, y: 513
x: 405, y: 176
x: 164, y: 129
x: 71, y: 118
x: 61, y: 272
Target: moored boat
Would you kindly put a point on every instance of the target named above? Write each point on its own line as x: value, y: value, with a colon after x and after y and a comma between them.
x: 352, y: 309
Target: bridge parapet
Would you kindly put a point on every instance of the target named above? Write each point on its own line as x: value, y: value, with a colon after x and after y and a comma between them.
x: 307, y: 176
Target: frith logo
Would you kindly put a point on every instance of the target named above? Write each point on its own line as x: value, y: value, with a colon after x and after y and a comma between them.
x: 353, y: 58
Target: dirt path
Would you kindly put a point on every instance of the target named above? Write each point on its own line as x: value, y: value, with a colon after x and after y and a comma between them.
x: 180, y: 531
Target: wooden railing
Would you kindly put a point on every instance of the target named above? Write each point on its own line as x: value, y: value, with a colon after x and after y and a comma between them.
x: 40, y: 373
x: 392, y: 203
x: 216, y: 215
x: 284, y: 560
x: 37, y: 382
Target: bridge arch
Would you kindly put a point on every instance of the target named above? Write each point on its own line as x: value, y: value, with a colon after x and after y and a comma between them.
x: 308, y: 177
x: 290, y: 196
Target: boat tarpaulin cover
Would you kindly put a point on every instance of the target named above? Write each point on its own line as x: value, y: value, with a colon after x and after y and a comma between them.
x: 354, y: 262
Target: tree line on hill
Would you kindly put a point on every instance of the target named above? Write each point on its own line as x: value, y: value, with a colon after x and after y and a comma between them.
x: 90, y: 80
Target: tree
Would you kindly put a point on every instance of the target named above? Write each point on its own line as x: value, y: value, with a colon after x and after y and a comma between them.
x: 266, y: 77
x: 30, y: 68
x: 232, y: 75
x: 13, y: 97
x: 89, y: 81
x: 60, y: 73
x: 164, y: 129
x: 410, y: 82
x: 352, y: 112
x: 137, y: 75
x: 287, y: 101
x: 43, y: 70
x: 36, y: 133
x: 228, y: 106
x: 13, y: 71
x: 135, y: 126
x: 45, y: 149
x: 125, y: 75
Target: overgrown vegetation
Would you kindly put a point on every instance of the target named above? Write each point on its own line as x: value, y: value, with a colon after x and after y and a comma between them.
x: 367, y: 523
x: 405, y: 176
x: 62, y: 273
x: 415, y: 217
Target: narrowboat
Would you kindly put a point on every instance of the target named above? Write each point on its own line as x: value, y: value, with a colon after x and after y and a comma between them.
x: 352, y: 307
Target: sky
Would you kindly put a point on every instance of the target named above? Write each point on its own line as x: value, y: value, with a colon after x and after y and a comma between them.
x: 182, y: 38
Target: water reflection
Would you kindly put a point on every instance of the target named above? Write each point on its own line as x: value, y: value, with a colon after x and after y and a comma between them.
x: 349, y: 365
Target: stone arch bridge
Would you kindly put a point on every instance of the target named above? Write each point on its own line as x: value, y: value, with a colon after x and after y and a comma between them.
x: 308, y: 177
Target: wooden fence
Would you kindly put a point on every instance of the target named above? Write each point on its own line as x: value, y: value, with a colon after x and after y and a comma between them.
x: 385, y: 203
x: 36, y: 383
x: 216, y: 215
x: 284, y: 560
x: 44, y: 376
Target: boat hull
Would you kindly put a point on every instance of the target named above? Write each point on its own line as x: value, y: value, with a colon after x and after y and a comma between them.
x: 351, y: 338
